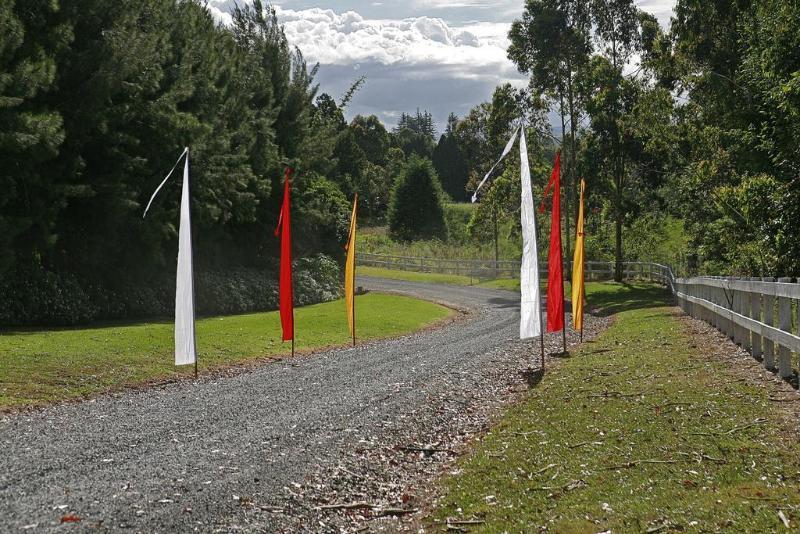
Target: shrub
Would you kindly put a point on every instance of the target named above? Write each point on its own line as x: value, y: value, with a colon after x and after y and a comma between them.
x: 416, y: 210
x: 37, y: 297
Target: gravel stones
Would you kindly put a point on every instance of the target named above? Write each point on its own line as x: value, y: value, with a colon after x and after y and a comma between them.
x: 338, y: 441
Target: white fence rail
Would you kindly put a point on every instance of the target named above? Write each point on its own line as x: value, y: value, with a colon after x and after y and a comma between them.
x: 759, y: 314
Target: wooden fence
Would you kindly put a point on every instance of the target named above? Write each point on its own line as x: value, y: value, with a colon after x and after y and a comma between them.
x: 756, y: 313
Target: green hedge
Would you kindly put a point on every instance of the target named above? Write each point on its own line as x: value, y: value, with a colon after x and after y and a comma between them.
x: 37, y: 297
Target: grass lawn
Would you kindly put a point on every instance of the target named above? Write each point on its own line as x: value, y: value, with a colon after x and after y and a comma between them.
x: 53, y: 365
x: 432, y: 278
x: 436, y: 278
x: 639, y: 431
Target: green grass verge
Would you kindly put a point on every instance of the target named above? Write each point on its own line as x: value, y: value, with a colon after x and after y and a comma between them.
x: 638, y: 431
x: 432, y: 278
x: 45, y: 366
x: 435, y: 278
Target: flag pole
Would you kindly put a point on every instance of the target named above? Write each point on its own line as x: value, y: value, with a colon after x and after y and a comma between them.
x: 353, y: 244
x: 563, y: 306
x: 354, y: 302
x: 354, y: 299
x: 194, y: 308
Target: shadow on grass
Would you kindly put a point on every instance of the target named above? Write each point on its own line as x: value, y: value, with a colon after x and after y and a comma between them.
x: 532, y: 377
x: 617, y: 298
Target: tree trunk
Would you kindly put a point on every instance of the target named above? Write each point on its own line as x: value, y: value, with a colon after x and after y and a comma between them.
x: 619, y: 169
x: 574, y: 168
x: 566, y: 182
x: 618, y: 224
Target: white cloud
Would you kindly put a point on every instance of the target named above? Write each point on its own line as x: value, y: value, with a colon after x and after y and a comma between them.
x: 347, y: 38
x: 432, y: 62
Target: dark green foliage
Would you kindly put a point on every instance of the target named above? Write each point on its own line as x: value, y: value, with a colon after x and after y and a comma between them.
x: 98, y: 99
x: 737, y: 178
x: 413, y: 143
x: 420, y: 123
x: 415, y: 210
x: 33, y: 296
x: 31, y: 131
x: 371, y: 136
x: 451, y: 166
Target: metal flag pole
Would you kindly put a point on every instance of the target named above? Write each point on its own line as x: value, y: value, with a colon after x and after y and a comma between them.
x: 542, y: 343
x: 354, y: 311
x: 354, y: 301
x: 353, y: 244
x: 194, y: 308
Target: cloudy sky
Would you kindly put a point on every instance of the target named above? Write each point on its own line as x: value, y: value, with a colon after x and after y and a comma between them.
x: 440, y: 55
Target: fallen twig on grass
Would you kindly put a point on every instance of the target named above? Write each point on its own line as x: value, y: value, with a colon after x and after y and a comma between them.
x: 634, y: 463
x: 543, y: 469
x: 466, y: 522
x: 584, y: 443
x: 744, y: 427
x: 702, y: 456
x: 783, y: 518
x: 615, y: 394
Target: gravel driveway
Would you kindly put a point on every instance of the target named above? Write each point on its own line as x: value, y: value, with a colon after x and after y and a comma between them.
x: 265, y: 450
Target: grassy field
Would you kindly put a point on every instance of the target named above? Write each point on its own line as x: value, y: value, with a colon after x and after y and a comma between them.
x: 46, y: 366
x: 434, y: 278
x: 640, y: 431
x: 459, y: 245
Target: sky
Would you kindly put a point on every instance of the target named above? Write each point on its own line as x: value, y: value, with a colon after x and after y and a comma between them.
x: 442, y: 56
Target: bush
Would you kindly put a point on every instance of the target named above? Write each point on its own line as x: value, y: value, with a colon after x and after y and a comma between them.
x: 415, y: 210
x: 37, y: 297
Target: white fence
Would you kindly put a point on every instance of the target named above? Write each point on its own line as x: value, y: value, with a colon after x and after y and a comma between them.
x: 491, y: 269
x: 756, y: 313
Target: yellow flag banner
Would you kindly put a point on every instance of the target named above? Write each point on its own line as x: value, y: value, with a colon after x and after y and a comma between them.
x: 578, y: 289
x: 350, y: 274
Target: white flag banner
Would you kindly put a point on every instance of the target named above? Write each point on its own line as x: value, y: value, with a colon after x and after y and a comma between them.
x: 531, y: 304
x: 185, y: 347
x: 185, y: 350
x: 506, y: 151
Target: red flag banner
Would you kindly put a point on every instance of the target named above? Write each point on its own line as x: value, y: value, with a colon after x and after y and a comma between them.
x: 555, y: 262
x: 286, y: 292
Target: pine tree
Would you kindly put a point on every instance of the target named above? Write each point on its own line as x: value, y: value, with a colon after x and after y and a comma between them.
x: 415, y: 210
x: 451, y: 166
x: 30, y: 131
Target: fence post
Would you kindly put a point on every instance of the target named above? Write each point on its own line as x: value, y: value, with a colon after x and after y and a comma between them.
x: 737, y: 308
x: 727, y: 301
x: 769, y: 319
x: 785, y: 324
x: 745, y: 310
x: 755, y: 313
